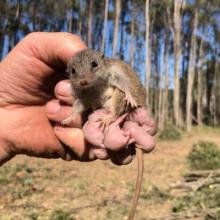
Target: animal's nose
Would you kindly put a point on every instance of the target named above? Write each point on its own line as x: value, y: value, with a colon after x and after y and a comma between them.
x: 83, y: 82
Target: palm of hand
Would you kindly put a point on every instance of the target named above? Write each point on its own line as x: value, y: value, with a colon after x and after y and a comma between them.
x: 26, y: 85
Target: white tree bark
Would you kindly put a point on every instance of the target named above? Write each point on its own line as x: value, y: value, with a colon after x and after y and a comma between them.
x: 191, y: 72
x: 117, y: 16
x: 104, y: 29
x: 177, y: 56
x: 148, y: 51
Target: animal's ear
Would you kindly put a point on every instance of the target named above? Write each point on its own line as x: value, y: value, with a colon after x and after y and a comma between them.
x: 101, y: 54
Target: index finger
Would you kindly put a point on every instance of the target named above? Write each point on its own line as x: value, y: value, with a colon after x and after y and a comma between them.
x: 52, y: 48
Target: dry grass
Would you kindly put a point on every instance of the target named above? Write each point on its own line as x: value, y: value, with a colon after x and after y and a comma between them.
x: 38, y: 189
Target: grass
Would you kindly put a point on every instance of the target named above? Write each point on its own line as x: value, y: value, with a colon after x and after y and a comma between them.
x: 117, y: 211
x: 5, y: 217
x: 153, y: 194
x: 60, y: 214
x: 20, y: 174
x: 204, y: 156
x: 129, y: 190
x: 170, y: 133
x: 65, y: 188
x: 207, y: 197
x: 206, y: 129
x: 31, y: 214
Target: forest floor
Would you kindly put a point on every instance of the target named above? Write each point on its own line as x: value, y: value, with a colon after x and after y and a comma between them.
x: 40, y: 189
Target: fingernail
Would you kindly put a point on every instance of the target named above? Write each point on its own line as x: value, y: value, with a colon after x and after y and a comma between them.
x: 53, y: 107
x: 64, y: 88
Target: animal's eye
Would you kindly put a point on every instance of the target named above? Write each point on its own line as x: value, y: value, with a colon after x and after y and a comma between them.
x: 94, y: 64
x: 73, y: 70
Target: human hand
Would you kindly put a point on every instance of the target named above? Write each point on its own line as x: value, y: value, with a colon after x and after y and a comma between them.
x: 28, y: 76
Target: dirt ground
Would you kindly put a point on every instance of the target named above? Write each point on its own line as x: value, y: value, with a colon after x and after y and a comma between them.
x: 40, y: 189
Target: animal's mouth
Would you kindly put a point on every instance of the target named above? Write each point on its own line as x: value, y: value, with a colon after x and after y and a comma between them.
x: 86, y: 83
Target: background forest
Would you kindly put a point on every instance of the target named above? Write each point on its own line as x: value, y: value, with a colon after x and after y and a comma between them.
x: 174, y: 45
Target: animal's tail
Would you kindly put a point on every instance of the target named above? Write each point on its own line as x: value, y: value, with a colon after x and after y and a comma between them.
x: 140, y: 171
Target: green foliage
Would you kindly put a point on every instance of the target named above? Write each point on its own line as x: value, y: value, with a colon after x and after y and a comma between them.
x: 204, y: 156
x: 129, y: 190
x: 82, y: 185
x: 181, y: 204
x: 213, y: 216
x: 23, y: 176
x: 170, y: 133
x: 116, y: 211
x: 208, y: 197
x: 60, y: 214
x: 32, y: 215
x: 154, y: 193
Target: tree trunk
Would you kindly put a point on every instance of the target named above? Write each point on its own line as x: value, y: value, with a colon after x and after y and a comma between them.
x: 17, y: 22
x: 148, y: 52
x: 164, y: 111
x: 104, y: 29
x: 2, y: 36
x: 177, y: 55
x: 89, y: 37
x: 200, y: 84
x: 191, y: 71
x: 79, y: 26
x: 123, y: 29
x: 70, y: 19
x: 132, y: 34
x: 160, y: 104
x: 116, y: 29
x: 215, y: 92
x: 218, y: 92
x: 156, y: 77
x: 34, y: 9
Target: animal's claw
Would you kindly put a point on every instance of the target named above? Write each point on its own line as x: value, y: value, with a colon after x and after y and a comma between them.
x: 68, y: 120
x: 130, y: 100
x: 106, y: 121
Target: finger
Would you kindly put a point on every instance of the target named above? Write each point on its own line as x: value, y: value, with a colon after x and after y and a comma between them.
x: 57, y: 113
x: 75, y: 143
x: 63, y: 92
x: 53, y: 47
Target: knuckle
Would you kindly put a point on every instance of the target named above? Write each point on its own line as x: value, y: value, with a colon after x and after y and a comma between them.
x: 31, y: 36
x: 72, y: 37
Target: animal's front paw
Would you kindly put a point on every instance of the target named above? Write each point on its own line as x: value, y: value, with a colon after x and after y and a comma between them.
x: 106, y: 120
x: 130, y: 100
x: 68, y: 120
